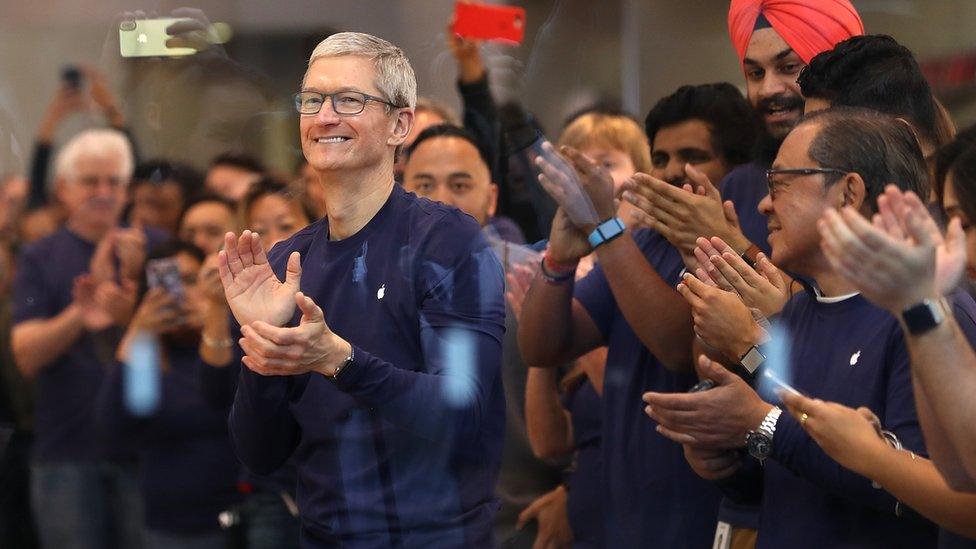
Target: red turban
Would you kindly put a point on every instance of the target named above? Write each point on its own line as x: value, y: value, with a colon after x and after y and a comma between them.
x: 808, y: 26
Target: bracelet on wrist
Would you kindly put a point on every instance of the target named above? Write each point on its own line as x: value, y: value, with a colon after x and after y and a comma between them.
x: 217, y: 343
x: 557, y: 273
x: 606, y: 231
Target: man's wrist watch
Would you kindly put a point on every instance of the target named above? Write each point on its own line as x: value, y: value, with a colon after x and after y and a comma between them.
x: 759, y: 442
x: 925, y: 316
x: 752, y: 359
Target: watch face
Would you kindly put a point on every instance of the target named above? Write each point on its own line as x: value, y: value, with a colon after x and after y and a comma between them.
x: 759, y: 445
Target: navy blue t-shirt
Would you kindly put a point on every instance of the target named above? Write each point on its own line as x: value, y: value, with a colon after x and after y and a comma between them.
x: 746, y: 186
x: 404, y: 447
x: 187, y: 469
x: 854, y: 353
x: 585, y: 482
x: 651, y: 497
x: 66, y: 389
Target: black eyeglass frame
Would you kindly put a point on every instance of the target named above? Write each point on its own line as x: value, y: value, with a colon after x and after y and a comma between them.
x: 332, y: 97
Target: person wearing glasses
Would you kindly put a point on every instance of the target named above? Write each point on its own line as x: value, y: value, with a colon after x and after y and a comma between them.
x: 371, y: 339
x: 844, y: 349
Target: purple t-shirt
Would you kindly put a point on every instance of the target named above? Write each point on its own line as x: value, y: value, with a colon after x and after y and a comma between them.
x: 66, y: 388
x: 651, y: 496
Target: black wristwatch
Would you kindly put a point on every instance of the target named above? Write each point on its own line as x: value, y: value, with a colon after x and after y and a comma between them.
x: 925, y: 316
x: 759, y: 442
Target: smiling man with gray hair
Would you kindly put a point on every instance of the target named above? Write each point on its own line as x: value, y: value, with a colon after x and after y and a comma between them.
x: 372, y: 338
x: 78, y: 486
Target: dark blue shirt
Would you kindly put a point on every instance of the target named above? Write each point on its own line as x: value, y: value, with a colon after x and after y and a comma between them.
x: 404, y: 447
x: 66, y: 389
x: 746, y: 186
x: 652, y: 498
x: 187, y: 469
x: 854, y: 353
x: 585, y: 482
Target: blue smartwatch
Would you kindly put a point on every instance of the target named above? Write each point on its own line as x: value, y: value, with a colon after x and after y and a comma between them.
x: 606, y: 231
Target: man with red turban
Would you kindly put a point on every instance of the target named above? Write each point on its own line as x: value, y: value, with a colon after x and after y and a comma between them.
x: 775, y: 39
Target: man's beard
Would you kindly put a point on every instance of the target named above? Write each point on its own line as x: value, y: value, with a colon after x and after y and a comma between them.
x: 767, y: 144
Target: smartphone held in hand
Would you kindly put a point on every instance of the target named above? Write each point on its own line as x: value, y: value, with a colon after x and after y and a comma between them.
x: 148, y: 37
x: 489, y: 22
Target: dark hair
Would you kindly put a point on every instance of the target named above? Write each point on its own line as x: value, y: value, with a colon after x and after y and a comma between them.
x: 946, y: 157
x: 881, y: 149
x: 963, y: 171
x: 239, y: 160
x: 448, y: 130
x: 207, y: 196
x: 721, y: 106
x: 159, y: 171
x: 875, y: 72
x: 271, y: 186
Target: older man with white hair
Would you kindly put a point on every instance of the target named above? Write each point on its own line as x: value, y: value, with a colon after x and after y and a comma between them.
x: 384, y: 384
x: 63, y: 285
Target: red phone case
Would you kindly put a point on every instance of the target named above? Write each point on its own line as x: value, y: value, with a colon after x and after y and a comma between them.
x: 489, y: 22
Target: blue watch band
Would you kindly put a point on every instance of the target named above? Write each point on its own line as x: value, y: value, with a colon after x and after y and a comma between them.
x: 606, y: 231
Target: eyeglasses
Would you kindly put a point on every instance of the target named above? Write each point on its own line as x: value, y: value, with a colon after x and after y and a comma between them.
x: 800, y: 171
x: 344, y: 103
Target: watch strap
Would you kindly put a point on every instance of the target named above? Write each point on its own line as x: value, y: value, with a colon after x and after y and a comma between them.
x: 924, y: 316
x: 606, y: 231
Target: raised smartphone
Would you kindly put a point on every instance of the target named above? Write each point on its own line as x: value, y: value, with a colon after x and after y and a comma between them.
x: 147, y: 38
x: 489, y: 22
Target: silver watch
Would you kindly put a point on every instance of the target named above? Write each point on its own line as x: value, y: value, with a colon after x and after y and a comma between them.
x: 759, y: 442
x: 752, y: 360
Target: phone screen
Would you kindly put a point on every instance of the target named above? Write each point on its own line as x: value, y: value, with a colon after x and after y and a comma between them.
x: 165, y: 273
x: 147, y: 38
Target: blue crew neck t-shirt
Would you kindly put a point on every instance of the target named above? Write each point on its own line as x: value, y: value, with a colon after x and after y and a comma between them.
x: 853, y: 353
x: 651, y: 498
x: 746, y: 186
x: 403, y: 448
x: 64, y: 430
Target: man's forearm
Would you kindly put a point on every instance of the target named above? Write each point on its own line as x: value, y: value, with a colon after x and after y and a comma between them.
x: 658, y: 314
x: 546, y: 327
x: 546, y: 421
x: 944, y: 366
x: 37, y: 343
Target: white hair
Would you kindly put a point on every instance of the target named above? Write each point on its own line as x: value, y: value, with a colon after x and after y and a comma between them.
x: 99, y: 143
x: 394, y: 75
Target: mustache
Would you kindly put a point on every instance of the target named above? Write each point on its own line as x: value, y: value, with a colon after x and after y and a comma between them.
x: 780, y: 101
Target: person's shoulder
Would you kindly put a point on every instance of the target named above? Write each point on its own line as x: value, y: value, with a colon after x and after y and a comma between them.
x: 436, y: 219
x: 48, y: 247
x: 748, y: 172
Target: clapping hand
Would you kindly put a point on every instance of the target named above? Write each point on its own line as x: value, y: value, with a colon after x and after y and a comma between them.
x: 253, y: 291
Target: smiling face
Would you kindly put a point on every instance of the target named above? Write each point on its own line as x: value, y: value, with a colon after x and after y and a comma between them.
x: 687, y: 142
x: 350, y: 143
x: 771, y: 69
x: 450, y: 170
x: 795, y: 203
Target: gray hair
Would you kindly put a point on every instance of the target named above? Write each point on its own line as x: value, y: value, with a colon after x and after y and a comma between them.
x: 394, y: 75
x: 880, y: 148
x: 100, y: 143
